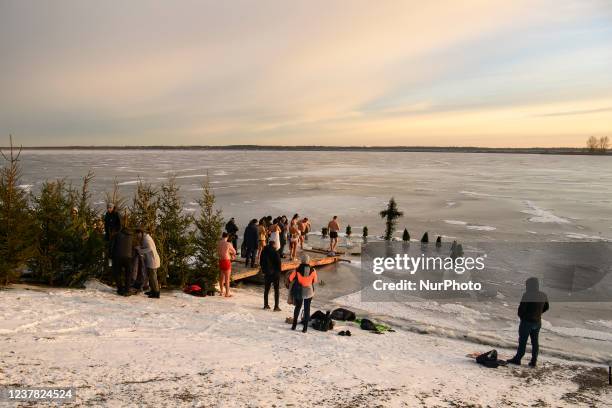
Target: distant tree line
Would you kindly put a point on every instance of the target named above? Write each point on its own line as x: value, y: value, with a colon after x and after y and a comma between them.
x: 56, y: 236
x: 598, y: 145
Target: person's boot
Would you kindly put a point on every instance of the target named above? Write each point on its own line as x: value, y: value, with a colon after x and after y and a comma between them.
x: 293, y: 326
x: 277, y: 309
x: 305, y: 329
x: 148, y: 293
x: 514, y: 361
x: 154, y: 295
x: 266, y: 307
x: 532, y: 363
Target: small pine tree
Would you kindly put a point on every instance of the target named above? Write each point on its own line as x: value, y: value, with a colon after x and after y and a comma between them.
x: 86, y: 245
x: 391, y: 214
x: 208, y: 232
x: 365, y: 232
x: 143, y: 212
x: 406, y: 235
x: 175, y: 235
x: 55, y: 233
x: 16, y: 224
x: 348, y: 231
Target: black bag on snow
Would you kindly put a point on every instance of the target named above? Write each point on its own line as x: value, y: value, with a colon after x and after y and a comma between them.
x: 343, y: 314
x: 368, y: 325
x: 318, y: 315
x: 324, y: 324
x: 488, y: 359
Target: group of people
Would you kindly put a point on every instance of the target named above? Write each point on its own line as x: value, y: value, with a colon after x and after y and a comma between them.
x: 135, y: 261
x: 133, y: 256
x: 263, y: 245
x: 279, y: 230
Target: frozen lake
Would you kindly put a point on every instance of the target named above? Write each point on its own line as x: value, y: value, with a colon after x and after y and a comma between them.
x: 468, y: 197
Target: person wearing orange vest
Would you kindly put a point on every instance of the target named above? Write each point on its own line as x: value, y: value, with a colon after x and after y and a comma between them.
x: 303, y: 290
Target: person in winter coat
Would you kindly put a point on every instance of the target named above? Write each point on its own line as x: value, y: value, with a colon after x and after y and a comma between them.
x: 112, y: 222
x: 148, y: 250
x: 232, y: 230
x: 533, y: 304
x: 121, y: 253
x: 251, y: 241
x: 305, y: 277
x: 271, y: 267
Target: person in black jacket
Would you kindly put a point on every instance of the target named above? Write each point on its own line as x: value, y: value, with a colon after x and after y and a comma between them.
x: 533, y: 304
x: 112, y: 222
x: 251, y: 240
x: 271, y: 267
x: 121, y: 252
x: 232, y: 230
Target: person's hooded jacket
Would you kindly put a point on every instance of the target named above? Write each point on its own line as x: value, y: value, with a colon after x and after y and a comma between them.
x: 251, y: 235
x: 122, y: 245
x: 306, y: 277
x: 270, y: 260
x: 112, y: 224
x: 533, y: 303
x: 149, y: 250
x: 231, y: 227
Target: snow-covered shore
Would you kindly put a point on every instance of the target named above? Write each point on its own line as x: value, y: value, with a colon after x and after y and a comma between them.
x: 186, y: 351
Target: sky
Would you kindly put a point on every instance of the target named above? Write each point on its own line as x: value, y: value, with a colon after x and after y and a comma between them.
x: 341, y: 72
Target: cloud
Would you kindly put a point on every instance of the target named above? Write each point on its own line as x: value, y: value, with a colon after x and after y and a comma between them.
x: 198, y: 72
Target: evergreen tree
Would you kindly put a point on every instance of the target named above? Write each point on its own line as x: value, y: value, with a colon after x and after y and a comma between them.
x: 16, y: 225
x: 55, y: 231
x: 143, y: 212
x: 406, y: 235
x: 391, y: 214
x: 86, y: 245
x: 208, y: 232
x: 176, y: 238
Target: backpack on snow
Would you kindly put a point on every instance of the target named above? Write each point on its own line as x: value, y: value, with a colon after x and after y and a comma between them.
x: 367, y: 324
x: 489, y: 359
x: 324, y: 324
x: 343, y: 314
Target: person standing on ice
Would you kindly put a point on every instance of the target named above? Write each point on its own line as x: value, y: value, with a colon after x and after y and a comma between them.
x: 251, y: 240
x: 274, y: 234
x: 334, y: 227
x: 152, y: 262
x: 282, y: 223
x: 271, y: 268
x: 303, y: 290
x: 226, y: 253
x: 533, y: 303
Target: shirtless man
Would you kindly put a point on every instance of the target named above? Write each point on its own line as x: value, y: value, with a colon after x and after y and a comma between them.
x: 333, y: 228
x: 303, y: 228
x: 226, y: 253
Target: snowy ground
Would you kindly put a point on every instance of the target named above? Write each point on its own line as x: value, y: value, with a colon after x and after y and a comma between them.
x: 187, y: 351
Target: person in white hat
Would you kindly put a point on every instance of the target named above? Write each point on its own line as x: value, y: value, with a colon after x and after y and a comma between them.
x: 303, y: 290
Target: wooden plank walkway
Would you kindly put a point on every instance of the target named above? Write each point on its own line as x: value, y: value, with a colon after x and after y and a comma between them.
x: 240, y: 271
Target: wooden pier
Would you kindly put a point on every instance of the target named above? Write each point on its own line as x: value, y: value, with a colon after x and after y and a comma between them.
x: 240, y: 271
